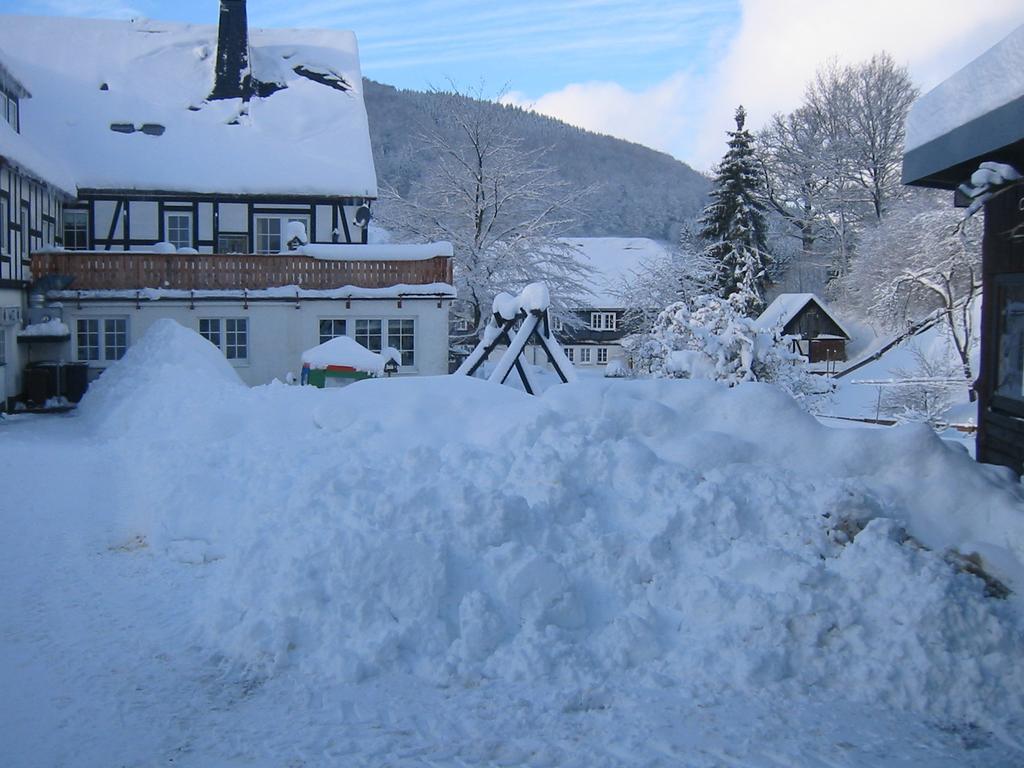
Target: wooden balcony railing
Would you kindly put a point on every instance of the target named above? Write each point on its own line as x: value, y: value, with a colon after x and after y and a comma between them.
x: 112, y: 270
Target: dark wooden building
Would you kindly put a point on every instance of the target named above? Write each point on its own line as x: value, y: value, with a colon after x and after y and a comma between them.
x: 816, y: 332
x: 975, y: 117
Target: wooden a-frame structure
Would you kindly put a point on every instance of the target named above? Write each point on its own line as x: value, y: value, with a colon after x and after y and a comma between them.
x: 534, y: 325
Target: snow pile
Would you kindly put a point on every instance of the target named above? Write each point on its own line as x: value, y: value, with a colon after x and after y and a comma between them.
x: 346, y: 351
x: 171, y: 383
x: 672, y: 533
x: 55, y: 327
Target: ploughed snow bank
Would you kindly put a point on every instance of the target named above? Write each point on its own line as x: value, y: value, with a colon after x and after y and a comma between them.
x: 678, y: 532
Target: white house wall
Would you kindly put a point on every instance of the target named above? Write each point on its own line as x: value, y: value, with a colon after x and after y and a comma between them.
x: 11, y: 365
x: 279, y: 331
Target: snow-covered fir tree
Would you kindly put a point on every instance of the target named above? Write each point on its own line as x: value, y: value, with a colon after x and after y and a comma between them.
x: 733, y: 223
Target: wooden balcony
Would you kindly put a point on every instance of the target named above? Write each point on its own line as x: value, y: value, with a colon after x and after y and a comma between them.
x: 113, y: 270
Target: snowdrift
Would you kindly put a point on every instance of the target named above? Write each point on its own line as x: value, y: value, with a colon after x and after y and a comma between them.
x: 676, y: 532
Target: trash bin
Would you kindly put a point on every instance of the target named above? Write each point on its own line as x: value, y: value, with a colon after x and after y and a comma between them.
x: 74, y: 380
x: 42, y: 381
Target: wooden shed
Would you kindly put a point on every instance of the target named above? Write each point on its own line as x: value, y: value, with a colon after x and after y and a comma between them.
x: 975, y: 117
x: 816, y: 332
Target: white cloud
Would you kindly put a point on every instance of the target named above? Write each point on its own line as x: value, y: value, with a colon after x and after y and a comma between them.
x: 767, y: 64
x: 655, y: 117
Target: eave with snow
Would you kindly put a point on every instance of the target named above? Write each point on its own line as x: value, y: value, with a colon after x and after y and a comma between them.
x: 976, y: 117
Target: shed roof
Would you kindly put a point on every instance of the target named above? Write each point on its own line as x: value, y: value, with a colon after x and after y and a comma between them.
x: 787, y: 306
x: 309, y: 139
x: 975, y: 115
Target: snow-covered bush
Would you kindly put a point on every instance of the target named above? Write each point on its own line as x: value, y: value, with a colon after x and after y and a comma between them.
x: 711, y: 338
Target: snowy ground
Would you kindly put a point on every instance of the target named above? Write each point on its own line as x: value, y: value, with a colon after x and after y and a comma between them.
x: 438, y: 572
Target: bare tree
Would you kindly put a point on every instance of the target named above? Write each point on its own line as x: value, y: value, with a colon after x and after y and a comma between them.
x: 499, y: 205
x: 832, y: 166
x: 921, y: 259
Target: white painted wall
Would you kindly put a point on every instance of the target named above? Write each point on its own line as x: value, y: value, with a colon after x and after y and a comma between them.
x: 278, y: 331
x: 10, y: 371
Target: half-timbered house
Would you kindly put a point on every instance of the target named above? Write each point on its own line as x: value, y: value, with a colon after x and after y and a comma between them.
x: 201, y: 173
x: 975, y: 117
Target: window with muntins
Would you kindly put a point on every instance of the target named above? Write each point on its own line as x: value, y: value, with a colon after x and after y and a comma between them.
x: 178, y: 229
x: 331, y: 328
x: 232, y: 243
x: 76, y: 229
x: 209, y: 329
x: 402, y: 336
x: 584, y: 354
x: 570, y: 353
x: 369, y: 334
x: 602, y: 355
x: 236, y: 338
x: 101, y: 339
x: 269, y: 231
x: 602, y: 321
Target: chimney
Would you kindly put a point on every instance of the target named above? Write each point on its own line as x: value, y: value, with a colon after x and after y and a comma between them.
x: 233, y: 79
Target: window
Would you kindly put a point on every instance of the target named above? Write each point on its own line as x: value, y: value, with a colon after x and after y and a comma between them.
x: 1010, y: 363
x: 230, y: 335
x: 9, y: 110
x: 570, y: 353
x: 602, y: 321
x: 602, y: 355
x: 101, y: 339
x: 584, y: 354
x: 556, y: 324
x: 232, y: 243
x: 236, y: 338
x: 209, y: 329
x: 3, y: 345
x: 3, y: 225
x: 368, y: 333
x: 402, y: 336
x: 178, y: 229
x: 331, y: 328
x: 3, y: 105
x: 76, y: 229
x: 269, y: 231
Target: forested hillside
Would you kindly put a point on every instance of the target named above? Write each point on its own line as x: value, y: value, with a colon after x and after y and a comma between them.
x: 638, y: 192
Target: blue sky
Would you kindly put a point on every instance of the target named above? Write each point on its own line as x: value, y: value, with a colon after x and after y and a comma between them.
x: 665, y: 74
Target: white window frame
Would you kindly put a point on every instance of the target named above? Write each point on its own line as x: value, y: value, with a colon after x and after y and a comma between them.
x: 408, y: 352
x: 602, y: 321
x: 585, y: 356
x: 107, y: 349
x: 367, y: 335
x: 223, y: 333
x: 331, y: 334
x: 570, y: 353
x: 282, y: 224
x: 4, y: 218
x: 167, y: 228
x: 73, y: 213
x: 602, y: 355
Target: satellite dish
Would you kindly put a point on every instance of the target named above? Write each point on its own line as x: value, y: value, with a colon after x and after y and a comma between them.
x: 362, y: 218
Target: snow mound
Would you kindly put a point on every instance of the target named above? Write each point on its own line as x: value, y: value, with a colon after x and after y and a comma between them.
x: 677, y: 532
x: 170, y: 382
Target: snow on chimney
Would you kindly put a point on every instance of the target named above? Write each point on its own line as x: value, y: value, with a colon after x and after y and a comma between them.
x: 233, y: 77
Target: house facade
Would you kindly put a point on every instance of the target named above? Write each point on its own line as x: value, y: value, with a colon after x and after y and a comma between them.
x: 977, y: 117
x: 218, y: 176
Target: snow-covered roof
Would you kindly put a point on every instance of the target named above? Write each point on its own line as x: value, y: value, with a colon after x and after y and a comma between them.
x: 48, y: 168
x: 310, y: 138
x: 346, y: 351
x: 976, y: 110
x: 786, y: 306
x: 613, y: 260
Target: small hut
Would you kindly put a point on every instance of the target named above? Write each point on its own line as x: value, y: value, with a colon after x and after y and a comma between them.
x: 342, y: 360
x: 817, y: 334
x: 968, y: 135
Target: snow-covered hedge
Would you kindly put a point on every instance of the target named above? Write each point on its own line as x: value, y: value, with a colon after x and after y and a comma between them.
x: 711, y: 338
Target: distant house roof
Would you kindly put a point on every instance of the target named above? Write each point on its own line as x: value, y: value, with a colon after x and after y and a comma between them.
x: 975, y: 115
x: 787, y: 306
x: 124, y: 103
x: 613, y: 261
